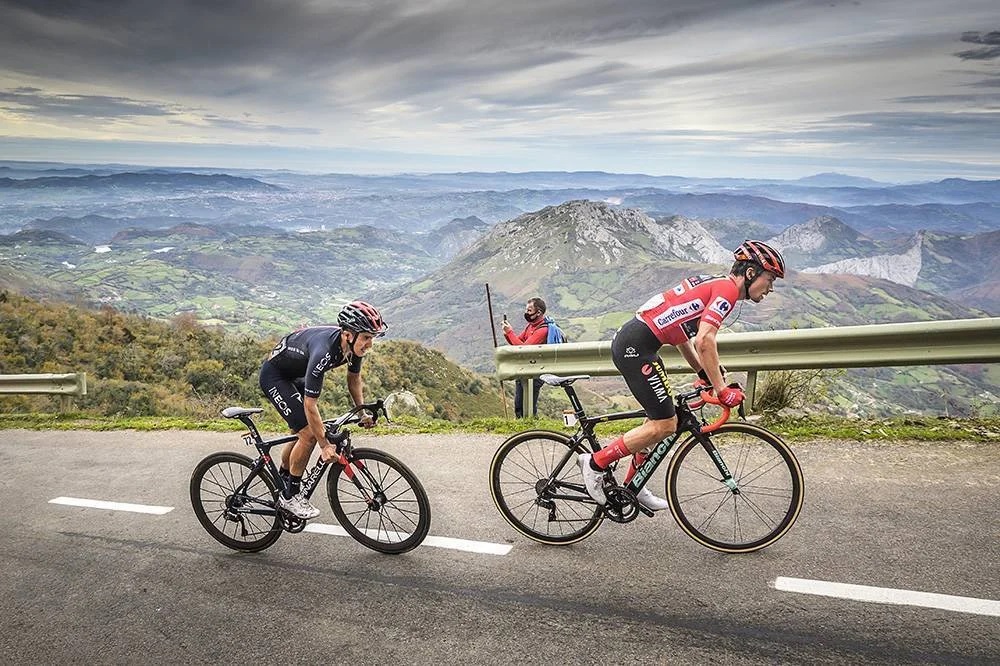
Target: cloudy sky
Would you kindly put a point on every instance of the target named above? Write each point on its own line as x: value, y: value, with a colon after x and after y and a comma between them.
x: 892, y: 89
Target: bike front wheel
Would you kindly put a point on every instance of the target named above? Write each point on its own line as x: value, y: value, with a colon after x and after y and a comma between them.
x: 238, y: 519
x: 758, y: 509
x: 379, y: 502
x: 540, y: 501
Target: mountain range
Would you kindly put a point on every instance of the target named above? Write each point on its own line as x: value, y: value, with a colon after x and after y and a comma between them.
x: 594, y: 263
x: 266, y: 251
x: 37, y: 192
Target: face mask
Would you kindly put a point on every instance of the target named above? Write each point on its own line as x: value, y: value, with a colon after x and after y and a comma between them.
x: 530, y: 318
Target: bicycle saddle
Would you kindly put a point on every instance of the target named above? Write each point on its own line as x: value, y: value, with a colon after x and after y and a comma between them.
x: 236, y: 412
x: 556, y: 380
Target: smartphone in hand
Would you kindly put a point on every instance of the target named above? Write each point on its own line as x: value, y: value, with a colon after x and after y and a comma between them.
x: 505, y: 317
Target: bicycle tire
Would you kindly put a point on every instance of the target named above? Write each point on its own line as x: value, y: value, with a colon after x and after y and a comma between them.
x: 518, y: 466
x: 403, y: 515
x: 213, y: 482
x: 770, y: 486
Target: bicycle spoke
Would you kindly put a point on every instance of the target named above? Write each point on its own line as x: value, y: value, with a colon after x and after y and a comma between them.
x: 764, y: 503
x: 224, y: 512
x: 516, y: 471
x: 396, y: 524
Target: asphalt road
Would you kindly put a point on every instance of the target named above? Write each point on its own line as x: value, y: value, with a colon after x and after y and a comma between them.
x: 86, y: 585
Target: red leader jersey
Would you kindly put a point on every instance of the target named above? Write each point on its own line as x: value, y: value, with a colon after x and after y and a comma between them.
x: 674, y: 315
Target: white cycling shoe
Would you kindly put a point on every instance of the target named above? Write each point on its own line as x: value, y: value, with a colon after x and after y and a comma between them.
x: 646, y: 498
x: 298, y: 506
x: 593, y: 480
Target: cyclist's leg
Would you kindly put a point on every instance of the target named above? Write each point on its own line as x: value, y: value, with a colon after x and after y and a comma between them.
x: 634, y: 353
x: 284, y: 394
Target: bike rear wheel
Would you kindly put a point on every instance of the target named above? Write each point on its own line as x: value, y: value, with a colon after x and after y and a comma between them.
x: 766, y: 503
x: 224, y: 513
x: 389, y: 512
x: 548, y: 513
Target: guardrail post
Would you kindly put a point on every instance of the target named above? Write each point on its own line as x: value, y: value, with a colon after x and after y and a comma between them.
x: 751, y: 389
x: 529, y: 397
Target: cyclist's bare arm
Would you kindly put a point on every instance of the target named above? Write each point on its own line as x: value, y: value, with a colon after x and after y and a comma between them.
x: 356, y: 388
x: 687, y: 351
x: 315, y: 422
x: 708, y: 353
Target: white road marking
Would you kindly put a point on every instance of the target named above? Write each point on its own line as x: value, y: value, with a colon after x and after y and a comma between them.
x: 886, y: 595
x: 112, y: 506
x: 483, y: 547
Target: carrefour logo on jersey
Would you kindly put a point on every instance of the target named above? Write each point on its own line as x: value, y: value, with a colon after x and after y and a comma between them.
x: 677, y: 312
x: 721, y: 306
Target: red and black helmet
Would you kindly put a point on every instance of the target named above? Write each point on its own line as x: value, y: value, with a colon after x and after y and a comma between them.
x: 763, y: 254
x: 362, y: 317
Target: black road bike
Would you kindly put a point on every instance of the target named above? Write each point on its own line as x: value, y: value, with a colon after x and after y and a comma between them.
x: 732, y: 487
x: 375, y: 497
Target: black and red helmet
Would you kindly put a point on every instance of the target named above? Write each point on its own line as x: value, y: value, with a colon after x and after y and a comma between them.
x: 763, y: 254
x: 362, y: 317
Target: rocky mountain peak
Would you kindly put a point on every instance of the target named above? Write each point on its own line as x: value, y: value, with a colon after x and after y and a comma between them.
x: 815, y: 234
x: 595, y: 232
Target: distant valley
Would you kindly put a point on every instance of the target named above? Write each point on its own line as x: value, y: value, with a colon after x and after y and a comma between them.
x: 261, y: 252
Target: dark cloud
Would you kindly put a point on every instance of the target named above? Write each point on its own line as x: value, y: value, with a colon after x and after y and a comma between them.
x: 299, y: 52
x: 943, y: 132
x: 979, y: 38
x: 991, y: 50
x: 27, y: 100
x: 218, y: 122
x: 38, y: 104
x: 978, y: 99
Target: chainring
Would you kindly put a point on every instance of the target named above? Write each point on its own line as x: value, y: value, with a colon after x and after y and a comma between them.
x: 291, y: 523
x: 621, y: 505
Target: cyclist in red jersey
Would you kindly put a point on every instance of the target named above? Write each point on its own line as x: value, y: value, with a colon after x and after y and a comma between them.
x: 693, y: 309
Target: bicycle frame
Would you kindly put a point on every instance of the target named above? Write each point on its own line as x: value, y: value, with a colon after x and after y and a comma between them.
x: 687, y: 423
x: 311, y: 480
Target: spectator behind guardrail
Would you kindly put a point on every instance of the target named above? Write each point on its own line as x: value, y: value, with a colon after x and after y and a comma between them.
x: 539, y: 331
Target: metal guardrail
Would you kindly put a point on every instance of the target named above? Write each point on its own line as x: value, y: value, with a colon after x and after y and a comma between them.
x: 65, y: 385
x: 874, y: 345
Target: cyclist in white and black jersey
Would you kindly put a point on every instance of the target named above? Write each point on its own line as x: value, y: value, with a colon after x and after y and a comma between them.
x: 292, y: 378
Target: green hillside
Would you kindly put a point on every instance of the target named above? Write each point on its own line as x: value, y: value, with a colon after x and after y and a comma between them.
x: 250, y: 280
x: 140, y: 366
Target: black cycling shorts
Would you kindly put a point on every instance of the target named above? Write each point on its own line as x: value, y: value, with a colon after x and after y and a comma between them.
x: 634, y: 352
x: 285, y: 394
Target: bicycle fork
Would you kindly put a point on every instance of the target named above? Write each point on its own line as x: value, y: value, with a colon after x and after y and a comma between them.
x: 713, y: 453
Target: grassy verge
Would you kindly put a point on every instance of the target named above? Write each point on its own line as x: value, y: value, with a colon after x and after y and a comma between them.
x: 799, y: 429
